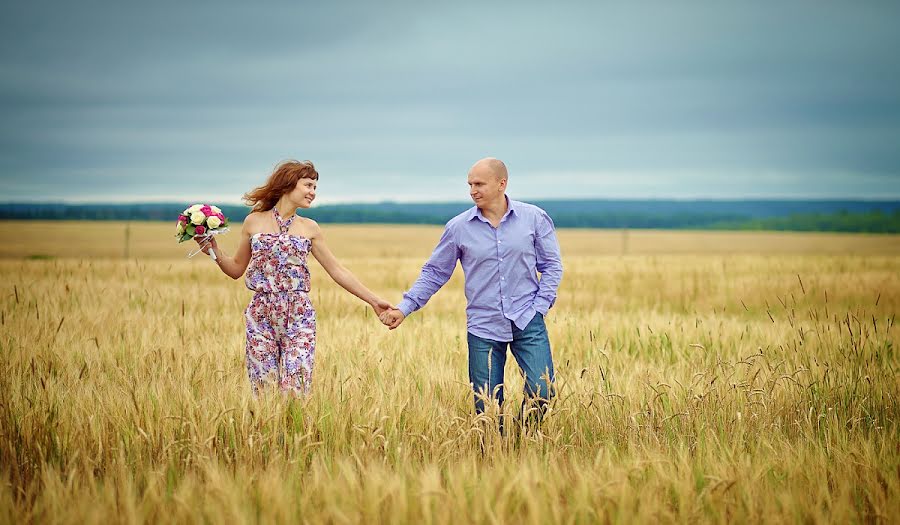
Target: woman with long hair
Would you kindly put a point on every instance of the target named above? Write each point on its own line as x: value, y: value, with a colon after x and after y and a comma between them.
x: 274, y: 244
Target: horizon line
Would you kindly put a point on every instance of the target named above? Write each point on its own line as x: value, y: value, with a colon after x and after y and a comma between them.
x: 78, y: 202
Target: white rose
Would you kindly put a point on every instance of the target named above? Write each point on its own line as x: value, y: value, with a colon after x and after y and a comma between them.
x: 215, y: 209
x: 193, y: 209
x: 213, y: 221
x: 197, y: 218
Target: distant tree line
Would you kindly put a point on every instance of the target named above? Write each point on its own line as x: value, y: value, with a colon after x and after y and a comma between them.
x: 869, y: 222
x: 716, y: 215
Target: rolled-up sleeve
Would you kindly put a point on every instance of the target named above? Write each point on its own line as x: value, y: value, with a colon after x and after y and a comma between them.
x: 435, y: 273
x: 549, y: 263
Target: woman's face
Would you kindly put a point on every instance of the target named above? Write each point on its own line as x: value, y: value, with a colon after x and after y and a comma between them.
x: 304, y: 192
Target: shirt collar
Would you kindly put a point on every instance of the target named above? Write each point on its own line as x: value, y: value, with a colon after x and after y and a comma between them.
x: 511, y: 206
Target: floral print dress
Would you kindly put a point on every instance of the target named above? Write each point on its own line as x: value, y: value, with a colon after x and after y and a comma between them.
x: 281, y: 321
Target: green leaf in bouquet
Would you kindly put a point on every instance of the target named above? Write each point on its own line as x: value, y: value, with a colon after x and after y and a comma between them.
x: 190, y: 229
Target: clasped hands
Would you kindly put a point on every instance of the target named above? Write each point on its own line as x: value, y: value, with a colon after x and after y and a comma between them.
x: 389, y: 315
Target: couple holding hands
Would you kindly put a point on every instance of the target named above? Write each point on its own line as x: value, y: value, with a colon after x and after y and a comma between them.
x: 501, y: 243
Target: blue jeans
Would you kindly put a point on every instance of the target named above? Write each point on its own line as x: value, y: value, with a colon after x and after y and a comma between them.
x: 531, y: 349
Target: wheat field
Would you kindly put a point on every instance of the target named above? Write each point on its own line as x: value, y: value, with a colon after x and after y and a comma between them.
x: 708, y: 377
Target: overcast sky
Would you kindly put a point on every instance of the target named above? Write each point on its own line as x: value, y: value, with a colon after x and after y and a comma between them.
x: 394, y: 101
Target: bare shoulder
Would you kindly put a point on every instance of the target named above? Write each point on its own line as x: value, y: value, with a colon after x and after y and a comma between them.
x: 252, y: 222
x: 309, y: 228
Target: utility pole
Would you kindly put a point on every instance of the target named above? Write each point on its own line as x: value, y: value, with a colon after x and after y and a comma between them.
x: 127, y: 237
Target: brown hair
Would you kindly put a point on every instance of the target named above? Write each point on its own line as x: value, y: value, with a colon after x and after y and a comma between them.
x: 283, y: 180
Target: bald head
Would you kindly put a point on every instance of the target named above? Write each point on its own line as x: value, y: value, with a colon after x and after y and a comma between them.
x: 490, y: 165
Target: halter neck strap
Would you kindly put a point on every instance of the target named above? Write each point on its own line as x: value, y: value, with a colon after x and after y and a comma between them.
x: 283, y: 225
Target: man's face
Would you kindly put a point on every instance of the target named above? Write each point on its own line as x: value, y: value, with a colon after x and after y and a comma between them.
x: 485, y: 186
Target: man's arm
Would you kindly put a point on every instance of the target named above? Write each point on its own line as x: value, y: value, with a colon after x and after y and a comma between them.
x: 435, y: 274
x: 549, y: 263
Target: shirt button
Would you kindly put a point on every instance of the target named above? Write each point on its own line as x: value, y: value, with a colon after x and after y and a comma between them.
x: 498, y: 242
x: 502, y: 278
x: 501, y: 259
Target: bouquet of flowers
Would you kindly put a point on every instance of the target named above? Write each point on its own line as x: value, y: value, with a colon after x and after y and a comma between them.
x: 201, y: 221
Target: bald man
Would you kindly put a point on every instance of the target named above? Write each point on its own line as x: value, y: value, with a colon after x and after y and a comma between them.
x: 503, y: 245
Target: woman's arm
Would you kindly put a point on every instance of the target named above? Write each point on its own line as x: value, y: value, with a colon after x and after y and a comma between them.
x: 341, y: 275
x: 233, y: 267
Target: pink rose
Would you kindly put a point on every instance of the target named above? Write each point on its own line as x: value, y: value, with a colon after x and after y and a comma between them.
x: 206, y: 210
x: 221, y: 216
x: 199, y: 230
x: 182, y: 219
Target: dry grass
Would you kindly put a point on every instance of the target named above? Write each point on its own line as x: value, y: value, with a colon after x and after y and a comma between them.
x: 707, y: 377
x: 151, y: 240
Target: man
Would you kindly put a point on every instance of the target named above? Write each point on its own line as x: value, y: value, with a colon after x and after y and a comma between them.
x: 502, y: 245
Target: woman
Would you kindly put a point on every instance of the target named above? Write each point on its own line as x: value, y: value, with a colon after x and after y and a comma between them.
x: 274, y: 244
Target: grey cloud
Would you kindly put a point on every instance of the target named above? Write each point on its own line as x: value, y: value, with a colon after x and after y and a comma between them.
x: 142, y: 97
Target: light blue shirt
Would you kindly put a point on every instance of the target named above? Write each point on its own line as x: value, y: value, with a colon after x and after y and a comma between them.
x: 501, y: 267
